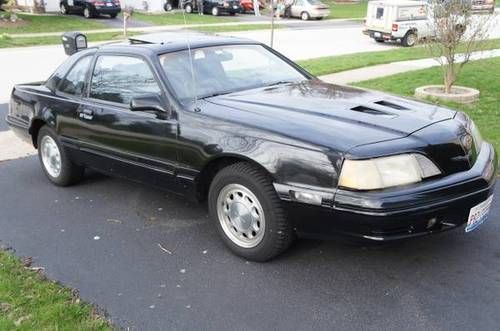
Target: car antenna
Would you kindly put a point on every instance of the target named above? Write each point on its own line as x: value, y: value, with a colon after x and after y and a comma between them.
x: 193, y: 78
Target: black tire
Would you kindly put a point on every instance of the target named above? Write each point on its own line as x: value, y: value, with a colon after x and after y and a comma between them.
x: 64, y: 8
x: 215, y: 11
x: 410, y: 39
x: 70, y: 173
x: 167, y: 6
x: 113, y: 15
x: 305, y: 16
x: 232, y: 14
x: 278, y: 231
x: 188, y: 8
x: 88, y: 12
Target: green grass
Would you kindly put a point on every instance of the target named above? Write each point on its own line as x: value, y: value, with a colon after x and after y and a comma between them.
x: 333, y: 64
x: 178, y: 18
x: 30, y: 302
x: 52, y: 23
x: 7, y: 41
x: 233, y: 28
x: 342, y: 10
x: 482, y: 75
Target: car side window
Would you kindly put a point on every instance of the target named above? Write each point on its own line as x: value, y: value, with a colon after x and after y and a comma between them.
x: 120, y: 78
x: 74, y: 81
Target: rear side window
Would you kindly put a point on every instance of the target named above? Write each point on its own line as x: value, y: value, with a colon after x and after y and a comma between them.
x: 380, y: 13
x: 120, y: 78
x: 74, y: 82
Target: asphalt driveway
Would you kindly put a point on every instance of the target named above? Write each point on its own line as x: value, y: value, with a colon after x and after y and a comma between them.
x: 103, y: 237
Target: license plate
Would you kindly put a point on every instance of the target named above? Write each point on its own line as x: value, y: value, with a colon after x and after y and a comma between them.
x: 478, y: 214
x: 377, y: 34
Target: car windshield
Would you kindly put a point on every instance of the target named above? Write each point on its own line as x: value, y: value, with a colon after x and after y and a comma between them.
x: 315, y: 2
x: 225, y: 69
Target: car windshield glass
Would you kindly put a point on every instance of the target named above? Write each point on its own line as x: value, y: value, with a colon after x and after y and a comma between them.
x: 225, y: 69
x: 315, y: 2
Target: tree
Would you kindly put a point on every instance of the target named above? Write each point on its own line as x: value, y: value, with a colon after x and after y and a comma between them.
x: 456, y: 30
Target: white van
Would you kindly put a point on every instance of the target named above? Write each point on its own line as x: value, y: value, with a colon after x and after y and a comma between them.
x: 404, y: 21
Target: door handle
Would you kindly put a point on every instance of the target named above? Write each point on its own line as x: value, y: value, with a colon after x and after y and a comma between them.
x: 86, y: 114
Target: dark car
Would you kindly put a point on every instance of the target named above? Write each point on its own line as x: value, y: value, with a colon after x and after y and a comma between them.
x: 274, y: 151
x: 91, y: 8
x: 214, y: 7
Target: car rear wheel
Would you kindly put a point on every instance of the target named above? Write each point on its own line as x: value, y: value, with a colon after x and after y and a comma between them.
x: 64, y: 9
x: 188, y: 8
x: 87, y: 13
x: 248, y: 213
x: 215, y: 11
x: 55, y: 163
x: 305, y: 16
x: 410, y: 39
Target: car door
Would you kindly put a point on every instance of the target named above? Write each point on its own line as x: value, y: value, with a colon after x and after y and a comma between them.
x: 297, y: 8
x: 140, y: 145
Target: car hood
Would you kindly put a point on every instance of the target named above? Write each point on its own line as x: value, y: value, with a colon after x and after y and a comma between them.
x: 334, y: 116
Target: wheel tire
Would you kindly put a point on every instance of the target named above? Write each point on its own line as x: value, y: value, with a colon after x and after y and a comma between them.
x: 113, y: 15
x: 188, y: 8
x: 87, y: 13
x: 232, y: 14
x: 69, y: 173
x: 64, y: 9
x: 277, y: 232
x: 379, y: 40
x: 167, y: 6
x: 305, y: 16
x: 215, y: 11
x: 410, y: 39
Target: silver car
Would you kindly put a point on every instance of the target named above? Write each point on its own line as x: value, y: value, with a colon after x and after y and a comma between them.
x: 307, y: 9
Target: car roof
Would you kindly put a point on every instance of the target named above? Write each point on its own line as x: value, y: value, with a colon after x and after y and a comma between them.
x: 165, y: 42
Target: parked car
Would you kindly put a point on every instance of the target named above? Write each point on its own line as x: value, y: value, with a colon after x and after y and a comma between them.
x: 247, y: 5
x: 214, y: 7
x: 395, y: 20
x: 91, y: 8
x: 483, y: 6
x: 274, y: 151
x: 307, y: 9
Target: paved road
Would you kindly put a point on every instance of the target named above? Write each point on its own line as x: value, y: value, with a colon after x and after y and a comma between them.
x: 449, y: 281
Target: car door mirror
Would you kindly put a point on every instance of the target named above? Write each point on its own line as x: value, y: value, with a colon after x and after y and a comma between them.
x: 147, y: 102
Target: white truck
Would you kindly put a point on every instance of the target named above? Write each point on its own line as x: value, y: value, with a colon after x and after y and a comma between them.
x: 397, y: 20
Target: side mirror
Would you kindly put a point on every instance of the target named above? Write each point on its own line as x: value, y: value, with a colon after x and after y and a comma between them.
x: 147, y: 102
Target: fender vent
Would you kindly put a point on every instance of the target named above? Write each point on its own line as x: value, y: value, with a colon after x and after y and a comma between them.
x: 368, y: 110
x: 390, y: 105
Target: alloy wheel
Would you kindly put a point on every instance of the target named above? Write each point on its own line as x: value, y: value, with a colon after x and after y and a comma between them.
x: 241, y: 215
x: 51, y: 156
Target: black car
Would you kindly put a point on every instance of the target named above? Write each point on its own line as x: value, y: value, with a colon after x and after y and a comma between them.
x: 214, y: 7
x: 274, y: 151
x: 91, y: 8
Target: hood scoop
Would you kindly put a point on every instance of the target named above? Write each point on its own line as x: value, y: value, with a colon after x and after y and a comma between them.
x: 371, y: 111
x: 390, y: 105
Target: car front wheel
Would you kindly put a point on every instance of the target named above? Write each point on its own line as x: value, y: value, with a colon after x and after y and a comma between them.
x: 215, y: 11
x: 248, y: 213
x: 188, y: 8
x: 305, y: 16
x: 55, y: 163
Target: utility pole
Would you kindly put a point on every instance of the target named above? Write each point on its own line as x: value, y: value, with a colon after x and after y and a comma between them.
x: 272, y: 23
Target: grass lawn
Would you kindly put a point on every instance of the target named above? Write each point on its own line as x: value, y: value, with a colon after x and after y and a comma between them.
x: 51, y: 23
x: 7, y: 41
x: 233, y: 28
x: 343, y: 10
x: 482, y: 75
x: 177, y: 18
x: 30, y: 302
x: 332, y: 64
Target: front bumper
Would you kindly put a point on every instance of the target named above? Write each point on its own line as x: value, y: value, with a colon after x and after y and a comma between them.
x: 428, y: 207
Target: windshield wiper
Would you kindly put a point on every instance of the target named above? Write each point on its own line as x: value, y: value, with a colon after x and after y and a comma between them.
x: 216, y: 94
x: 281, y: 82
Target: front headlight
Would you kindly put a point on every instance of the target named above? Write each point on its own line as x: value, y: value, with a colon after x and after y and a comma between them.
x: 386, y: 172
x: 476, y: 136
